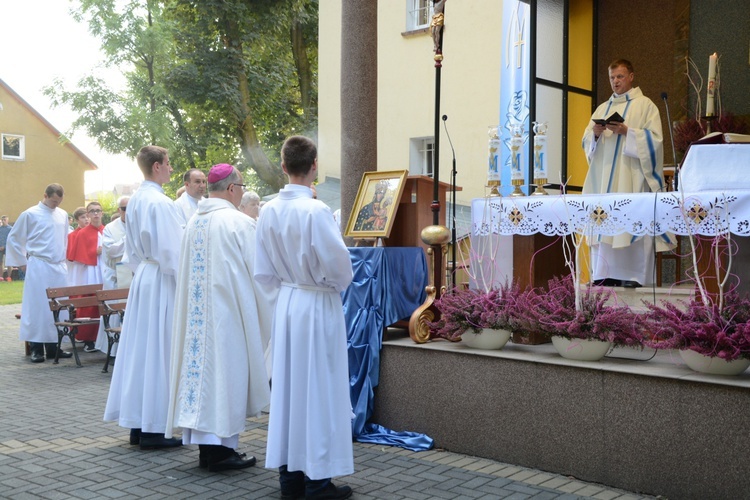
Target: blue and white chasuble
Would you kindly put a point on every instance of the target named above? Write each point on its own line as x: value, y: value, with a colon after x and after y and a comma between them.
x: 221, y: 326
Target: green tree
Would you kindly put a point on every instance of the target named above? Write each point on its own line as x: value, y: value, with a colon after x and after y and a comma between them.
x: 213, y: 81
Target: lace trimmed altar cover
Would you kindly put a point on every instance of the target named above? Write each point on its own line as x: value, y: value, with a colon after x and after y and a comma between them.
x: 708, y: 213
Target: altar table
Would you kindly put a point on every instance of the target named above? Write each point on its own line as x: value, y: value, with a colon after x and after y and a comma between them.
x: 496, y: 220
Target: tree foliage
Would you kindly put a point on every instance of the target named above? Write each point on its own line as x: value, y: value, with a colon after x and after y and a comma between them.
x: 212, y: 80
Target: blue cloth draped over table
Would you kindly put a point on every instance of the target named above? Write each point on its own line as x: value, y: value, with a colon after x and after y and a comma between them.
x: 388, y: 285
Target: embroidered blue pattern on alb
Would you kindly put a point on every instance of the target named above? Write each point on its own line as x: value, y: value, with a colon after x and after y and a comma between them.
x: 195, y: 337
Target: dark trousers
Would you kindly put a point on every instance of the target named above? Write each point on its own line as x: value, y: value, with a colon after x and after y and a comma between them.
x: 292, y: 481
x: 41, y: 347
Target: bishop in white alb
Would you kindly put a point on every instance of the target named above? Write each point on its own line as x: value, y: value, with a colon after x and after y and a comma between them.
x: 221, y: 329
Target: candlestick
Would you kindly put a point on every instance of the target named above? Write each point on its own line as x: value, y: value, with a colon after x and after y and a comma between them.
x: 516, y: 174
x: 493, y: 159
x: 540, y: 157
x: 711, y: 84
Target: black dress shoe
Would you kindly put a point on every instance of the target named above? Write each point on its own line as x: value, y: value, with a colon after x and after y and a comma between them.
x: 37, y: 357
x: 203, y: 461
x: 293, y: 494
x: 233, y: 462
x: 135, y: 436
x: 65, y: 354
x: 630, y: 284
x: 607, y: 282
x: 332, y: 492
x: 152, y: 441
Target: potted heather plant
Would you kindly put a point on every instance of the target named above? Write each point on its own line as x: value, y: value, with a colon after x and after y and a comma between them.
x: 480, y: 318
x: 581, y: 324
x: 711, y: 338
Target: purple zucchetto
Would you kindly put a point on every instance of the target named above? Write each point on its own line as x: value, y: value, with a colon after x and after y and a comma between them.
x: 219, y: 172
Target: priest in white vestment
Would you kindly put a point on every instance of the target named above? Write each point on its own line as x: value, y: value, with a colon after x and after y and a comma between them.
x: 139, y: 392
x: 195, y: 188
x: 624, y: 157
x: 222, y: 324
x: 38, y: 242
x: 300, y: 252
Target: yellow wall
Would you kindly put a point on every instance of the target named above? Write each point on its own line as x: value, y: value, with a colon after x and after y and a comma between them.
x: 22, y: 183
x: 329, y: 89
x: 580, y: 48
x: 406, y: 88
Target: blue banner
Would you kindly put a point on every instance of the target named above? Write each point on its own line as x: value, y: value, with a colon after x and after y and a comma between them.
x: 514, y: 87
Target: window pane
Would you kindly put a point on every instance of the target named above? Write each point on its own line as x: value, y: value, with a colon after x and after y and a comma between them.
x: 549, y: 109
x: 549, y: 48
x: 12, y: 146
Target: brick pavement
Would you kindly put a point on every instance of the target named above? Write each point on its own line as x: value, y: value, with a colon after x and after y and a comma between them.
x: 53, y: 444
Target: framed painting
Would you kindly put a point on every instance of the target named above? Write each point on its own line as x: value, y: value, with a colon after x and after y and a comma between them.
x: 377, y: 202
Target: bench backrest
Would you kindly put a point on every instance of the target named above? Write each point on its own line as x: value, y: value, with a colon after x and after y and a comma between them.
x: 70, y: 297
x: 112, y: 301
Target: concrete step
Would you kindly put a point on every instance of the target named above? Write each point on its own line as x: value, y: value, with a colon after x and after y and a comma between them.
x: 636, y: 297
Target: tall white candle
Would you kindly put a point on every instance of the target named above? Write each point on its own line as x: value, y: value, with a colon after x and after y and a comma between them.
x: 711, y: 84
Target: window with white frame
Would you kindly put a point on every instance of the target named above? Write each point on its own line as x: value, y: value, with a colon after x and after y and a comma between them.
x: 421, y: 156
x: 14, y: 147
x: 418, y: 14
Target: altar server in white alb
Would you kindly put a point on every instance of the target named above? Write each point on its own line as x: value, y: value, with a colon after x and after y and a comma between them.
x: 624, y: 157
x: 222, y: 324
x: 113, y: 248
x: 300, y: 252
x: 139, y: 392
x: 195, y: 188
x: 38, y: 242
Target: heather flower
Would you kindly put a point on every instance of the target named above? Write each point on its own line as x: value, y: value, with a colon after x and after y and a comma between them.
x: 554, y: 313
x: 703, y: 328
x: 465, y: 309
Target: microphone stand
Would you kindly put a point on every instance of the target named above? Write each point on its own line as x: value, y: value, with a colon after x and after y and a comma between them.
x: 671, y: 138
x: 453, y: 215
x: 453, y: 204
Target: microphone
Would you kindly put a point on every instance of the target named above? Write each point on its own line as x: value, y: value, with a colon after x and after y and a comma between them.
x: 445, y: 126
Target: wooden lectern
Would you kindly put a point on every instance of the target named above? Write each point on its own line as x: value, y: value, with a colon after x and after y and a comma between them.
x: 414, y: 212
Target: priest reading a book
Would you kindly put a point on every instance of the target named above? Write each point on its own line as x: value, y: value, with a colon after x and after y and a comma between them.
x: 623, y: 147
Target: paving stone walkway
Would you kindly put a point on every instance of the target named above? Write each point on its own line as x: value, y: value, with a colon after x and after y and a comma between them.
x: 53, y: 444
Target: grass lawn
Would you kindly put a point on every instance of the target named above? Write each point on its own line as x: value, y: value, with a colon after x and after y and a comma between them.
x: 11, y: 293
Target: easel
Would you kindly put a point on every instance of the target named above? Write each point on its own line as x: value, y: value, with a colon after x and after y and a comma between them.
x: 369, y: 242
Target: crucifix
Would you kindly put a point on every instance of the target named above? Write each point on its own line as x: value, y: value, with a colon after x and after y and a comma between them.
x: 518, y: 44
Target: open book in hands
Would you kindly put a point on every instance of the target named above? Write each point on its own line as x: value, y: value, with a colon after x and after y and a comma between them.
x: 613, y: 118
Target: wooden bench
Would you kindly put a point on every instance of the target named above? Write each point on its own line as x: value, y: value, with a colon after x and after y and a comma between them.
x: 112, y: 302
x: 68, y: 298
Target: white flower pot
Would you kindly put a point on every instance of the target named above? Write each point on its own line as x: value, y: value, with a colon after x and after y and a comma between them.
x: 714, y: 366
x: 487, y: 339
x: 581, y: 349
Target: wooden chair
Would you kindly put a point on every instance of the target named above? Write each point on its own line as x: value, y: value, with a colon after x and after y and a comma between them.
x: 68, y: 298
x: 112, y: 302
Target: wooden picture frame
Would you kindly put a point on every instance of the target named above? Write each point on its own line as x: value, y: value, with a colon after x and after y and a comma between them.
x: 376, y: 204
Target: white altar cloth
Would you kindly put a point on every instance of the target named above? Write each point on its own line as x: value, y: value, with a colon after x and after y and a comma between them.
x: 708, y: 213
x: 716, y: 167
